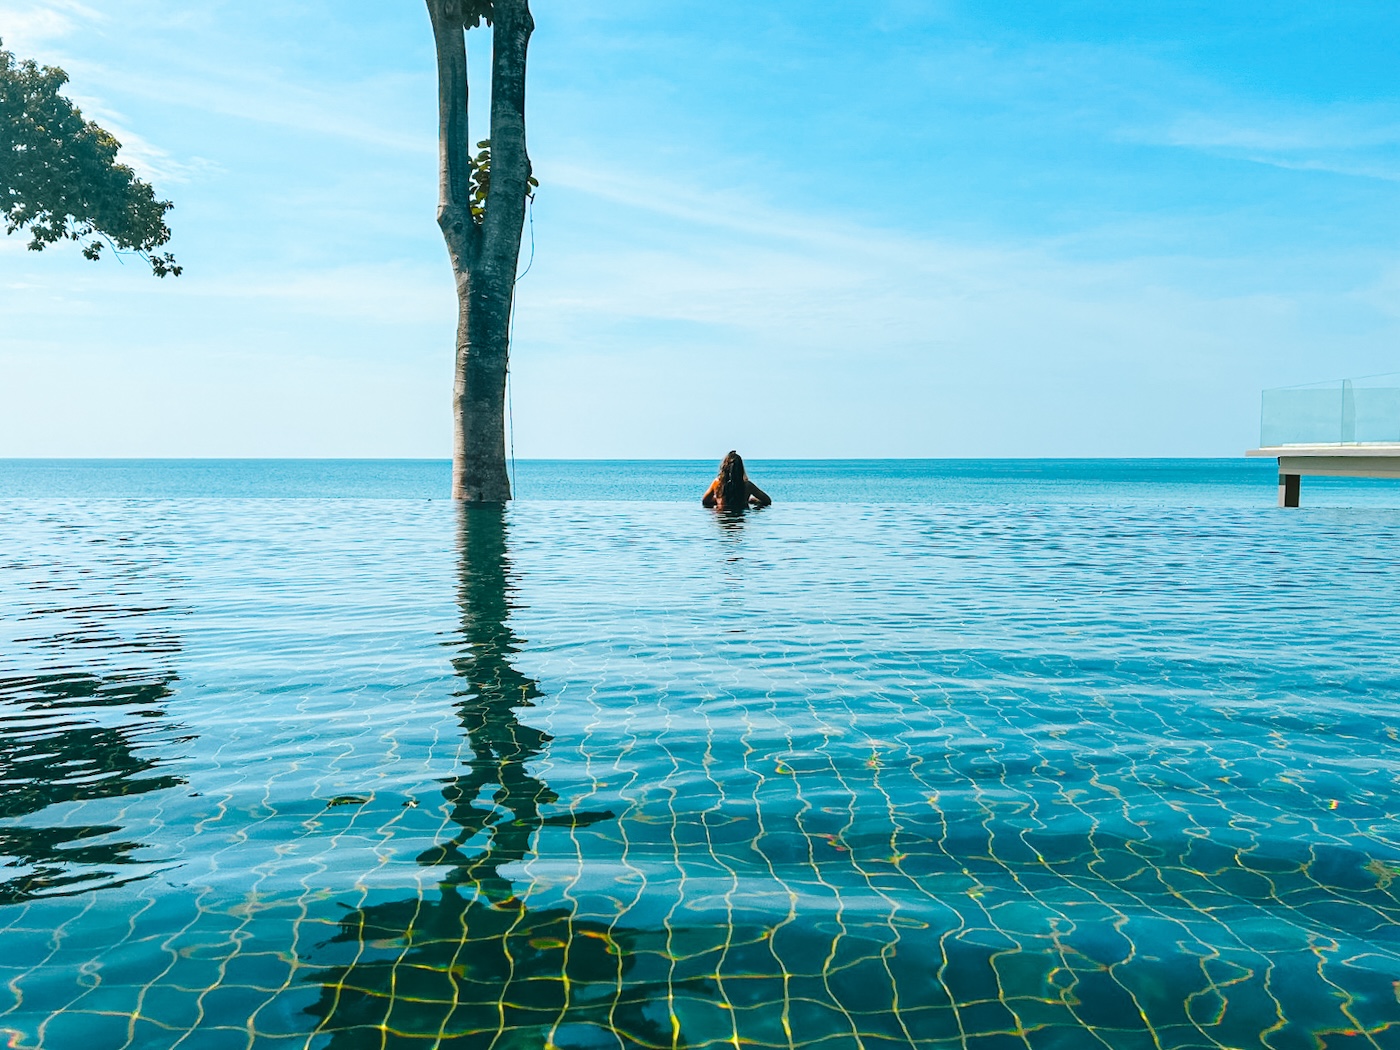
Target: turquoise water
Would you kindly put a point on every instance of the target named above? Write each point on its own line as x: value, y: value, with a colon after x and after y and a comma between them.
x: 1107, y: 770
x: 1191, y: 482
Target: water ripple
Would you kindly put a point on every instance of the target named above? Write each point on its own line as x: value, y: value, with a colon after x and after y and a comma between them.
x: 344, y: 773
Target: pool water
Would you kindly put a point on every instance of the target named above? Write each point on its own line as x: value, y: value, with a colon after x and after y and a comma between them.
x: 392, y: 773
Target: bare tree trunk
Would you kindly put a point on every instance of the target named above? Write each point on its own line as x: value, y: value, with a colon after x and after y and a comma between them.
x: 485, y: 255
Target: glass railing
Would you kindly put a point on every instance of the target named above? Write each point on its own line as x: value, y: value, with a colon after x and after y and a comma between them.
x: 1346, y: 412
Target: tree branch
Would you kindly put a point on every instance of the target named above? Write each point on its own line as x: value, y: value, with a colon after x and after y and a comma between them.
x: 454, y: 138
x: 510, y: 161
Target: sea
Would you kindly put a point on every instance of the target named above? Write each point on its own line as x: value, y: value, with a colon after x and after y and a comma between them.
x: 995, y: 754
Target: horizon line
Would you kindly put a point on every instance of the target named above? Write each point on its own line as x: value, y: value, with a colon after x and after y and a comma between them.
x: 601, y: 459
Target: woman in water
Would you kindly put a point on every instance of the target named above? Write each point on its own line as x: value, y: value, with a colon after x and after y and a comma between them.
x: 733, y: 490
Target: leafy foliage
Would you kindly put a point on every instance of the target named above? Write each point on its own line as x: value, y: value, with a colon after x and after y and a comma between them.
x: 472, y: 13
x: 59, y: 176
x: 481, y: 180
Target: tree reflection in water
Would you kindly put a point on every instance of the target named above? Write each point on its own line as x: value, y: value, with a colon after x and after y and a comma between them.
x: 53, y: 751
x: 478, y: 966
x: 79, y: 734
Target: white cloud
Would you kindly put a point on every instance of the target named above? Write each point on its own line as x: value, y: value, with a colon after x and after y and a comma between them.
x: 265, y: 98
x: 1134, y: 96
x: 149, y: 161
x: 197, y: 75
x: 804, y: 281
x: 1286, y: 132
x: 28, y: 29
x: 1344, y: 140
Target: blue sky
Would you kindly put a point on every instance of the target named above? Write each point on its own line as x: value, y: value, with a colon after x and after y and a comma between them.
x: 894, y: 228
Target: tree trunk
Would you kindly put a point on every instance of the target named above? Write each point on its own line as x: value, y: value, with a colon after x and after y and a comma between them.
x: 484, y: 255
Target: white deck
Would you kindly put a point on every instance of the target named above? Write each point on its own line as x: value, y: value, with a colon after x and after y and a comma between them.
x: 1345, y: 461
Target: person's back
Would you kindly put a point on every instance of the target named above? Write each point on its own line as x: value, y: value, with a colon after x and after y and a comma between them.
x: 732, y: 489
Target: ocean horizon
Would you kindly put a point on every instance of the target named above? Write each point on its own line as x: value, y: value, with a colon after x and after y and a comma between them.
x: 1238, y: 482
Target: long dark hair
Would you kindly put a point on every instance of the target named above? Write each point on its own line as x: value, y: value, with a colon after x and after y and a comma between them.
x: 733, y: 483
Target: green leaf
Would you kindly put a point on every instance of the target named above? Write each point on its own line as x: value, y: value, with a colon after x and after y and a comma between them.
x: 59, y: 174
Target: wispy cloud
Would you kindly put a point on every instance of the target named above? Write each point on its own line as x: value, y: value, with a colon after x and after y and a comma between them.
x: 1287, y: 132
x: 28, y: 29
x: 264, y: 98
x: 800, y: 283
x: 1116, y: 93
x: 1357, y: 141
x: 194, y: 75
x: 149, y: 161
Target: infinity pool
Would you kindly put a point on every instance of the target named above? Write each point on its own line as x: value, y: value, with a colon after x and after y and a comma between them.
x: 385, y: 773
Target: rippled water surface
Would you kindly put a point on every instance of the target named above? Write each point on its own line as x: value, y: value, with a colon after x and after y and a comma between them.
x: 384, y: 773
